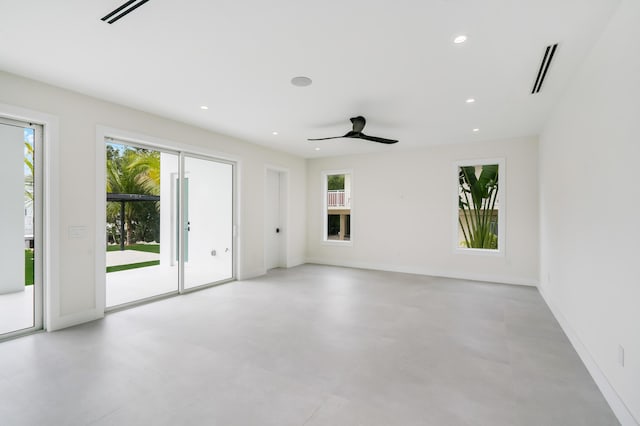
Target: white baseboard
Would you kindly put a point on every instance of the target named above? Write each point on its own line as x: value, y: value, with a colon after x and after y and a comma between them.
x: 257, y: 273
x: 58, y: 323
x: 420, y: 270
x: 295, y: 262
x: 247, y: 275
x: 613, y: 399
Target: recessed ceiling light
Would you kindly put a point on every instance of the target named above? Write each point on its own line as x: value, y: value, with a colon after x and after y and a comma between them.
x: 274, y: 133
x: 460, y: 39
x: 470, y: 100
x: 317, y: 149
x: 301, y: 81
x: 476, y: 130
x: 204, y: 107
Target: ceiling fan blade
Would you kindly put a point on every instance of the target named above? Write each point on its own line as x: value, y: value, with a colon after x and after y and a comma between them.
x: 377, y: 139
x: 324, y: 139
x: 358, y: 124
x: 350, y: 134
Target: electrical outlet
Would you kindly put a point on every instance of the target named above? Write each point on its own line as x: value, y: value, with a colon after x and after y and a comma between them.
x: 621, y: 355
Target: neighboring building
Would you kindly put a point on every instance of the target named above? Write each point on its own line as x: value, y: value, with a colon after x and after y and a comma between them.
x: 339, y: 211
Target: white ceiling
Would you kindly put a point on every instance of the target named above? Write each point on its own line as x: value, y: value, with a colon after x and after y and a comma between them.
x: 392, y: 62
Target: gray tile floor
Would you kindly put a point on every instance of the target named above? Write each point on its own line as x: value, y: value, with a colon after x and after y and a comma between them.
x: 312, y: 345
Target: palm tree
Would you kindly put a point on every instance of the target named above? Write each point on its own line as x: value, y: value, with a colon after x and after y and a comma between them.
x: 123, y: 179
x: 147, y: 169
x: 28, y: 178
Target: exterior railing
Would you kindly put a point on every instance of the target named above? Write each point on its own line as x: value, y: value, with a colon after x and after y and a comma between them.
x: 337, y: 198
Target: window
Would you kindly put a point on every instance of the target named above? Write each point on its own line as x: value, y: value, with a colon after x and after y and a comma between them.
x: 337, y: 195
x: 479, y: 206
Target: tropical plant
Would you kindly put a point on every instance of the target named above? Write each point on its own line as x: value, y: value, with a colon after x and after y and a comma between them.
x: 477, y: 198
x: 147, y: 168
x: 133, y: 171
x: 28, y: 177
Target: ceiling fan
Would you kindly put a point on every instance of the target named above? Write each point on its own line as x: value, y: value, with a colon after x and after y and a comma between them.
x: 358, y: 124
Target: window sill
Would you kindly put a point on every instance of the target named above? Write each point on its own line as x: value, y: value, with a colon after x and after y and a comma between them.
x: 479, y: 252
x: 337, y: 243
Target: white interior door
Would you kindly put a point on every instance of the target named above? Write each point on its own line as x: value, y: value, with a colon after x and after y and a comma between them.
x: 275, y: 199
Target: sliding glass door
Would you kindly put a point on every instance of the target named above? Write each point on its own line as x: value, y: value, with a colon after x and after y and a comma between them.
x: 20, y: 228
x: 169, y: 222
x: 139, y: 222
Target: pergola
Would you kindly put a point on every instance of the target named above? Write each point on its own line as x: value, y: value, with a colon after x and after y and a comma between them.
x: 128, y: 198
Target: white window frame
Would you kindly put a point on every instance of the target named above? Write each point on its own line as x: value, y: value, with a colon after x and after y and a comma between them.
x: 325, y: 241
x: 501, y: 211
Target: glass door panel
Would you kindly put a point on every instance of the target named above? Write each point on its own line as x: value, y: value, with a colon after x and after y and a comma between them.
x: 207, y: 221
x: 142, y: 206
x: 20, y: 281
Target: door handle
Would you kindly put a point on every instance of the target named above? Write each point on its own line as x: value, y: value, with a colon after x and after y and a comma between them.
x: 277, y: 230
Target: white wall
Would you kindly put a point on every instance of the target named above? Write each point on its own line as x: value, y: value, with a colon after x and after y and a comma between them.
x: 403, y: 212
x: 589, y: 156
x: 78, y: 117
x: 12, y: 212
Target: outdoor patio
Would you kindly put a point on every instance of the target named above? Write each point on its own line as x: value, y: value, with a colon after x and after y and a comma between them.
x: 135, y: 284
x: 16, y: 310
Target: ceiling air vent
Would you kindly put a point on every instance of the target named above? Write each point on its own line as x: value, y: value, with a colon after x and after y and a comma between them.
x: 544, y: 67
x: 122, y: 11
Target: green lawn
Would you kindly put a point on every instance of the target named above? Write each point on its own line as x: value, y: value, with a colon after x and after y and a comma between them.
x: 28, y: 267
x: 151, y: 248
x: 132, y: 266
